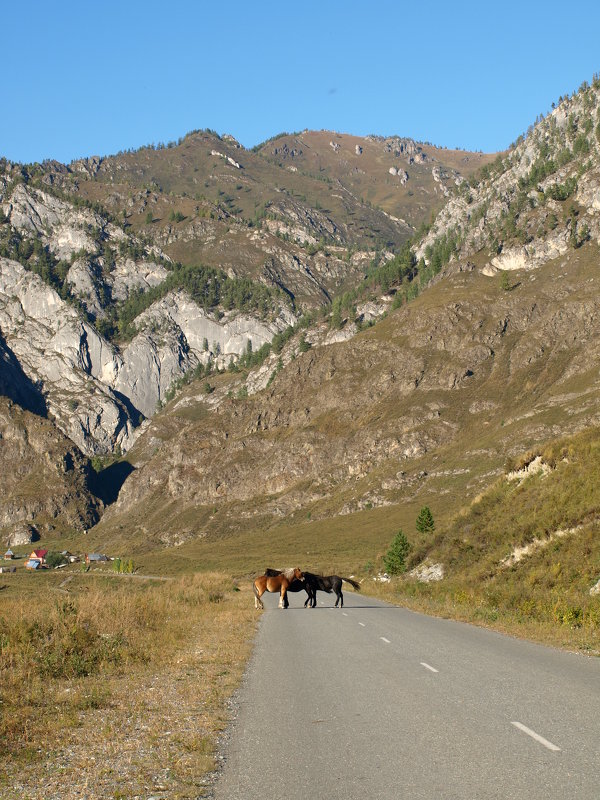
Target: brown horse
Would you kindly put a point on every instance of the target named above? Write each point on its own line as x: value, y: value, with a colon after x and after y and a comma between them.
x: 275, y: 583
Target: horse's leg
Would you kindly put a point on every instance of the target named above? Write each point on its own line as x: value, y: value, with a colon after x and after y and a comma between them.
x: 283, y: 601
x: 309, y: 596
x: 258, y: 603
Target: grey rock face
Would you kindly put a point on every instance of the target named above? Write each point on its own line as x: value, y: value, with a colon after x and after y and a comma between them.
x: 22, y: 534
x: 494, y: 198
x: 129, y: 275
x: 65, y: 229
x: 86, y: 280
x: 80, y: 280
x: 151, y: 364
x: 95, y: 394
x: 175, y: 335
x: 65, y: 355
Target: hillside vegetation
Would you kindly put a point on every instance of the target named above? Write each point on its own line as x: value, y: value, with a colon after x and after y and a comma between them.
x: 525, y: 554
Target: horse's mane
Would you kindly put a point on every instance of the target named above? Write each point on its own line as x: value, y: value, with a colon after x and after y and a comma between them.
x: 272, y: 573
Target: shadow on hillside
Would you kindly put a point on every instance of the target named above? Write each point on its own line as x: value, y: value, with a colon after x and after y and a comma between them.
x: 16, y: 385
x: 107, y: 484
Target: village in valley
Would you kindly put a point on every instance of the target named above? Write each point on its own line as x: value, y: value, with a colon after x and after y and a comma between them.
x: 42, y: 559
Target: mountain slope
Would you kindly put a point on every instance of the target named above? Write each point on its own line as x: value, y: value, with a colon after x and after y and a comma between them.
x: 538, y: 201
x: 424, y: 407
x: 310, y: 228
x: 46, y: 479
x: 343, y: 425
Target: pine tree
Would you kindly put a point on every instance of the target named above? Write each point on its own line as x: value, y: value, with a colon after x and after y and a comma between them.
x: 395, y: 558
x: 425, y: 523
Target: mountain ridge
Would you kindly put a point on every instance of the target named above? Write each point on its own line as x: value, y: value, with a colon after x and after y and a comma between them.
x: 337, y: 420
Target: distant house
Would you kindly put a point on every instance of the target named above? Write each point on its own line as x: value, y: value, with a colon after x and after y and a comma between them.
x: 69, y: 557
x: 8, y: 555
x: 95, y: 558
x: 37, y: 560
x: 8, y: 569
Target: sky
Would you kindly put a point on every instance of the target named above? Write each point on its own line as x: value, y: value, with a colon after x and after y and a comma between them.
x: 94, y: 78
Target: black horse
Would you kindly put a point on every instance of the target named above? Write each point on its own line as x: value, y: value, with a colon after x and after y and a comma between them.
x: 329, y: 584
x: 313, y: 583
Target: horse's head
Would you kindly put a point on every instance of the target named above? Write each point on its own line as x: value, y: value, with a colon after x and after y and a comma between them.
x: 298, y: 576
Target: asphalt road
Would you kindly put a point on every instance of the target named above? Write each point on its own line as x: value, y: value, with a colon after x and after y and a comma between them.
x: 375, y: 702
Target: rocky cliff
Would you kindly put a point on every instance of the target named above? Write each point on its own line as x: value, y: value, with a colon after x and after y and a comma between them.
x: 74, y: 267
x: 538, y: 201
x: 45, y: 479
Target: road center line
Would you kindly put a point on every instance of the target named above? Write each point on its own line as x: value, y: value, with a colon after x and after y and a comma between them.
x: 344, y: 613
x: 362, y: 624
x: 536, y: 736
x: 383, y: 639
x: 429, y: 667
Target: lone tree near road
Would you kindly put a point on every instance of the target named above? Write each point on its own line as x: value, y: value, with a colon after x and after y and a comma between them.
x: 395, y: 558
x: 425, y: 523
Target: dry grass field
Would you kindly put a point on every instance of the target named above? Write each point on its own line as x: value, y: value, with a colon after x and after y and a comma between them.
x: 118, y: 687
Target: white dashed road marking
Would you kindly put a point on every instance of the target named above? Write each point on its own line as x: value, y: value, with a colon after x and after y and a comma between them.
x: 429, y: 667
x: 362, y: 624
x: 536, y: 736
x: 383, y: 639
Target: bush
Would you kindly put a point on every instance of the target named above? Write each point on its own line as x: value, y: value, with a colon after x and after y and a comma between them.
x: 55, y: 560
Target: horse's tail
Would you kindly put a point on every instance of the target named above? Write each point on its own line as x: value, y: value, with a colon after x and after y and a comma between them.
x: 354, y: 583
x: 254, y: 589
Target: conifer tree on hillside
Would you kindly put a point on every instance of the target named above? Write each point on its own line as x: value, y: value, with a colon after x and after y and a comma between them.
x: 425, y: 522
x: 395, y: 558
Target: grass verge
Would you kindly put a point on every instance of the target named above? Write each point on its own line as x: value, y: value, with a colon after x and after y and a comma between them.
x: 123, y: 684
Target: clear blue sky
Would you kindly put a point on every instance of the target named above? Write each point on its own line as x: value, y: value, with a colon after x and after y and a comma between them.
x: 89, y: 77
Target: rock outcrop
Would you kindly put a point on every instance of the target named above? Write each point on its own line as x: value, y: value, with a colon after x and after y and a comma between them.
x: 94, y: 393
x: 60, y: 352
x: 517, y: 210
x: 45, y: 479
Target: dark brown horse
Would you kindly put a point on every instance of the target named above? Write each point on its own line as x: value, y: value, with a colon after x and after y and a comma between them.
x: 275, y: 583
x: 295, y: 586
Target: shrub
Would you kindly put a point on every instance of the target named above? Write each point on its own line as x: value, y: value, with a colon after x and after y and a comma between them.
x: 55, y: 560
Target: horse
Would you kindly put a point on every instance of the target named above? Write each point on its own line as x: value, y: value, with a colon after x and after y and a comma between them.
x: 312, y: 583
x: 295, y: 586
x: 276, y: 583
x: 329, y: 583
